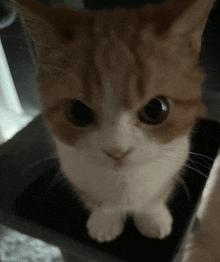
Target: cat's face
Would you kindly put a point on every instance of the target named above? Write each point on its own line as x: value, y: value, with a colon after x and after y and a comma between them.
x: 137, y: 102
x: 120, y: 84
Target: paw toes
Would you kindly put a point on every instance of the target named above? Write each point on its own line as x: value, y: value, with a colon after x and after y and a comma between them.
x: 158, y: 226
x: 103, y: 227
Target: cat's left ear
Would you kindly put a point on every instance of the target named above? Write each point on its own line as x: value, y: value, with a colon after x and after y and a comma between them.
x: 43, y: 22
x: 39, y: 18
x: 191, y: 21
x: 49, y: 26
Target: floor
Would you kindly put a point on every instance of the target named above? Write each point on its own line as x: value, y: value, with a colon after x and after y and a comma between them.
x: 17, y: 247
x: 21, y: 63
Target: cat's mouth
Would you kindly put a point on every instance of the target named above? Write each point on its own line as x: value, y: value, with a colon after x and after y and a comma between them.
x: 130, y: 160
x: 118, y: 156
x: 108, y: 163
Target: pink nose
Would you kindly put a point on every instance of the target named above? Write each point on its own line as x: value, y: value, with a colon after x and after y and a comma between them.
x: 117, y: 154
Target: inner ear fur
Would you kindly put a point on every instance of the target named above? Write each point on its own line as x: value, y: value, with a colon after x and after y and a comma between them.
x: 191, y: 21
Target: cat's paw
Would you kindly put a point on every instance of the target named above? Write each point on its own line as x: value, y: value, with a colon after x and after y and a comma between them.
x: 105, y: 227
x: 157, y: 224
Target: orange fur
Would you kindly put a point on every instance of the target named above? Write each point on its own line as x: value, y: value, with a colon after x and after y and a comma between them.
x: 155, y: 61
x: 115, y: 62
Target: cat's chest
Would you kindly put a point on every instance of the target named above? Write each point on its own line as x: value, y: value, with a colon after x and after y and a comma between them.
x: 131, y: 183
x: 98, y: 181
x: 127, y: 185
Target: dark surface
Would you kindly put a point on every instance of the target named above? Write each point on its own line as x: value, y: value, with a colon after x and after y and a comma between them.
x: 108, y: 4
x: 51, y: 202
x: 100, y: 4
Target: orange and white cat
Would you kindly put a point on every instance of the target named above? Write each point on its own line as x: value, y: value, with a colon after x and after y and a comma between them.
x: 120, y: 92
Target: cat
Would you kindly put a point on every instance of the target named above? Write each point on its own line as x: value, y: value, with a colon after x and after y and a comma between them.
x: 120, y: 92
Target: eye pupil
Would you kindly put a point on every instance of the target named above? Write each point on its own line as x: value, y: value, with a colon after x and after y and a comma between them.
x: 155, y: 111
x: 79, y: 114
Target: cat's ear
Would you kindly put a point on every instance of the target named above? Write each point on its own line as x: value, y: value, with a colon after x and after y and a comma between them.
x: 192, y: 16
x: 39, y: 19
x: 48, y: 26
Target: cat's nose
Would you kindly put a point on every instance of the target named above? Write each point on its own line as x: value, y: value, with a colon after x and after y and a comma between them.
x: 117, y: 154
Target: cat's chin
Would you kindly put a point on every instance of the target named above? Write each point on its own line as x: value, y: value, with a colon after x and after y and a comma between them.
x: 109, y: 166
x: 116, y: 168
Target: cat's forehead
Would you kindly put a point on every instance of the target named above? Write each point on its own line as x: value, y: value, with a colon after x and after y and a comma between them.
x: 122, y: 50
x: 134, y: 72
x: 116, y: 59
x: 117, y: 69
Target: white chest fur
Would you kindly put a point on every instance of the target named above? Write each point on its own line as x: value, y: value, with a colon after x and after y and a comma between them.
x: 128, y: 187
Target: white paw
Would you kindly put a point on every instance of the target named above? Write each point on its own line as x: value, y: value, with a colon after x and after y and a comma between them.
x: 157, y: 224
x: 105, y: 227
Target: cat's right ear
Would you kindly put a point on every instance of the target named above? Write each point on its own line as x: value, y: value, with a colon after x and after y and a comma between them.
x: 191, y: 19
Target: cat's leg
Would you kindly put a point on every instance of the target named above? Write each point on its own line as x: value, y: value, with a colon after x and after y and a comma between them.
x: 154, y: 222
x: 105, y: 224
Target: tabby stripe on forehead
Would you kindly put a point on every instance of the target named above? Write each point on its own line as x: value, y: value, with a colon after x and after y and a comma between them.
x: 91, y: 82
x: 141, y: 90
x: 87, y: 90
x: 130, y: 95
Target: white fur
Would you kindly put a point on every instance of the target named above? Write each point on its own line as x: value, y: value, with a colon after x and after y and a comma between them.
x: 138, y: 186
x: 145, y: 172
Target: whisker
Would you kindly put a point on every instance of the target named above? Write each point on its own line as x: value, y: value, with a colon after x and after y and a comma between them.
x: 194, y: 169
x: 199, y: 163
x: 201, y: 155
x: 190, y: 160
x: 192, y: 153
x: 187, y: 167
x: 182, y: 182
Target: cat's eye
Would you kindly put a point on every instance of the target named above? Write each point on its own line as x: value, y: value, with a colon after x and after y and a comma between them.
x: 155, y: 111
x: 79, y: 114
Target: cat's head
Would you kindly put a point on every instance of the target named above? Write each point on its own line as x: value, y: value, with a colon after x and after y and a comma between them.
x: 115, y: 81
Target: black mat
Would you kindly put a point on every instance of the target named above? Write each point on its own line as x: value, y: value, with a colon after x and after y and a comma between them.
x: 50, y: 201
x: 108, y: 4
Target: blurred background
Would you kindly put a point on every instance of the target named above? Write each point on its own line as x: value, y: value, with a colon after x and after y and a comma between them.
x: 19, y: 102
